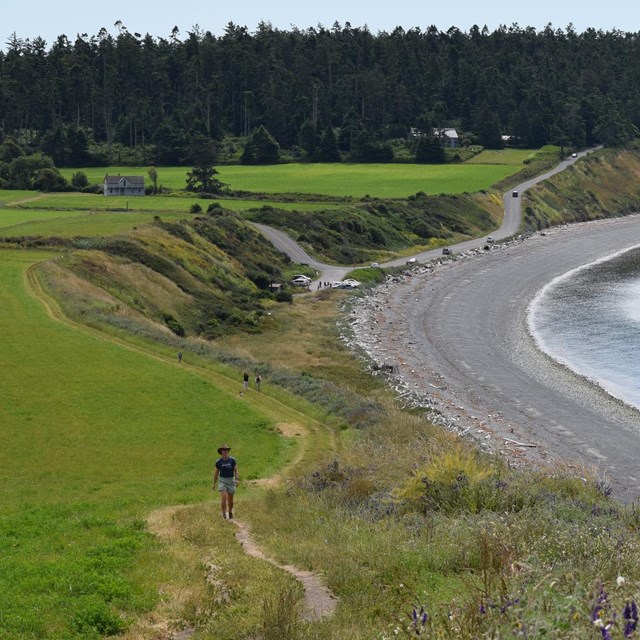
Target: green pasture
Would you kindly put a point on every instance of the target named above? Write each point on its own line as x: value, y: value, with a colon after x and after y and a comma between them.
x: 69, y: 224
x: 155, y: 204
x: 94, y: 437
x: 503, y: 156
x: 10, y: 197
x: 358, y: 180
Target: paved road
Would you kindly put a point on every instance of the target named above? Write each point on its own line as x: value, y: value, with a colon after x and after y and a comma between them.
x: 510, y: 226
x: 461, y: 336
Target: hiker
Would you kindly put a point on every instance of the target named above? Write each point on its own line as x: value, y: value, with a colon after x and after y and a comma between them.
x: 245, y: 380
x: 179, y: 356
x: 226, y: 478
x: 258, y: 381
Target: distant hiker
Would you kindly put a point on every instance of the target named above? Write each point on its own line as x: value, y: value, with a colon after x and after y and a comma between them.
x: 245, y: 381
x: 226, y: 479
x: 258, y: 381
x: 179, y: 356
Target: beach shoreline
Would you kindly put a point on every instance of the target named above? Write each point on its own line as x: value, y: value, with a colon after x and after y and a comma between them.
x: 455, y: 338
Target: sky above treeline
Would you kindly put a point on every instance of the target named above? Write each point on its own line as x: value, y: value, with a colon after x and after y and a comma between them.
x: 33, y: 18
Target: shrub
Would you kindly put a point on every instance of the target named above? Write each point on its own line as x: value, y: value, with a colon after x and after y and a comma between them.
x: 195, y: 208
x: 173, y: 324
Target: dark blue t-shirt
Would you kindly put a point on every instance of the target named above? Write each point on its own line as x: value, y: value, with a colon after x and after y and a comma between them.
x: 226, y: 467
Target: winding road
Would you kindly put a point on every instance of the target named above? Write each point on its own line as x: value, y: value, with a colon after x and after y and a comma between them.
x: 460, y: 336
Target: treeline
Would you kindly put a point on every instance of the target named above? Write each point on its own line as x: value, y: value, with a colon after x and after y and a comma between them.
x: 319, y: 91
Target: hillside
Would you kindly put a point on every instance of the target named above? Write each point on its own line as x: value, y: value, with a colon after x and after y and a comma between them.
x: 417, y: 532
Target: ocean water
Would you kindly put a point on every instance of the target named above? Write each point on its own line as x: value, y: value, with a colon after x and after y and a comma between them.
x: 589, y: 320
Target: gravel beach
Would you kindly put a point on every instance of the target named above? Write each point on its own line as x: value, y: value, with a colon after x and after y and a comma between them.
x: 452, y: 335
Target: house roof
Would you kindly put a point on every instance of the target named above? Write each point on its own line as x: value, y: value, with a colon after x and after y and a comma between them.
x: 449, y: 132
x: 132, y: 180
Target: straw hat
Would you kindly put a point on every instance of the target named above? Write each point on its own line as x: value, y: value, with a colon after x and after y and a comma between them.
x: 224, y: 446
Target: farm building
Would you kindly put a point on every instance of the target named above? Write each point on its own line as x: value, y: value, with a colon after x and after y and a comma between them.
x: 448, y: 136
x: 123, y: 185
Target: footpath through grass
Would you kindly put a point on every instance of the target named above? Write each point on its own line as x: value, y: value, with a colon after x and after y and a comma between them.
x: 95, y: 436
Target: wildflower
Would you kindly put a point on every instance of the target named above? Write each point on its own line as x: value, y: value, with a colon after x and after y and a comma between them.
x: 630, y: 614
x: 620, y: 581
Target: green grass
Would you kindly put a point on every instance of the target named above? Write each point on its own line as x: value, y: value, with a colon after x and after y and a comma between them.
x: 503, y: 156
x: 68, y: 224
x: 156, y: 204
x: 358, y: 180
x: 94, y: 437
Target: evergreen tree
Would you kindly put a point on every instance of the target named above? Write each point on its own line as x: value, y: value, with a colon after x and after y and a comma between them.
x: 328, y: 149
x: 261, y: 148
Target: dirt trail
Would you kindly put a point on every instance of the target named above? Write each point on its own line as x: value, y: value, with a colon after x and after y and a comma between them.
x: 319, y: 602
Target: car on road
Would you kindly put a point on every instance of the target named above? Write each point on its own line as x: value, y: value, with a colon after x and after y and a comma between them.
x: 446, y: 251
x: 301, y: 281
x: 300, y: 276
x: 374, y: 265
x: 349, y: 283
x: 490, y: 239
x: 411, y: 261
x: 574, y: 155
x: 514, y: 194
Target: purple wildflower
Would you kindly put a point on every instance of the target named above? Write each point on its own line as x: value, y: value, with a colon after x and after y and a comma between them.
x: 630, y: 614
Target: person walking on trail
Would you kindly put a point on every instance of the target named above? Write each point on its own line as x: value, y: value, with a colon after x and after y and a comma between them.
x: 179, y: 356
x: 226, y: 479
x: 258, y: 381
x: 245, y: 380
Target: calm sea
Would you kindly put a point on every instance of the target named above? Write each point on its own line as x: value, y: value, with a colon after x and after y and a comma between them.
x: 589, y: 319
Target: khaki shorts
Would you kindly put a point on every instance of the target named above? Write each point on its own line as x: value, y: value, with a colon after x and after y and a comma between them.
x: 227, y: 484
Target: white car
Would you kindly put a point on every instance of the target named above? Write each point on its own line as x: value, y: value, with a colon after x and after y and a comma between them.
x: 374, y: 265
x: 301, y: 277
x: 350, y: 283
x: 490, y: 239
x: 574, y: 155
x: 301, y: 282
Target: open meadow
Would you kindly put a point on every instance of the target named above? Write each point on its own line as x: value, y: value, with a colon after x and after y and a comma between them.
x: 96, y: 436
x: 357, y: 180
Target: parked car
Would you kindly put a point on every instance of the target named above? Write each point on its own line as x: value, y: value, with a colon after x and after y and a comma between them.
x: 301, y: 282
x: 574, y: 155
x: 446, y: 251
x: 411, y: 261
x: 515, y: 193
x: 374, y: 265
x: 301, y: 277
x: 490, y: 239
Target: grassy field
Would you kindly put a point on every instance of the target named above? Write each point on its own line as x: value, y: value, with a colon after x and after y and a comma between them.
x: 376, y: 180
x: 503, y: 156
x: 94, y: 437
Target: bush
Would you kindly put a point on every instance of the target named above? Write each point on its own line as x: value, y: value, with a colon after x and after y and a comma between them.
x: 173, y: 324
x: 284, y: 296
x: 79, y: 180
x: 195, y: 208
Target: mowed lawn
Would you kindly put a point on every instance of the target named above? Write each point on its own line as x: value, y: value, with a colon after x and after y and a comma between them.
x: 95, y: 436
x: 357, y: 180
